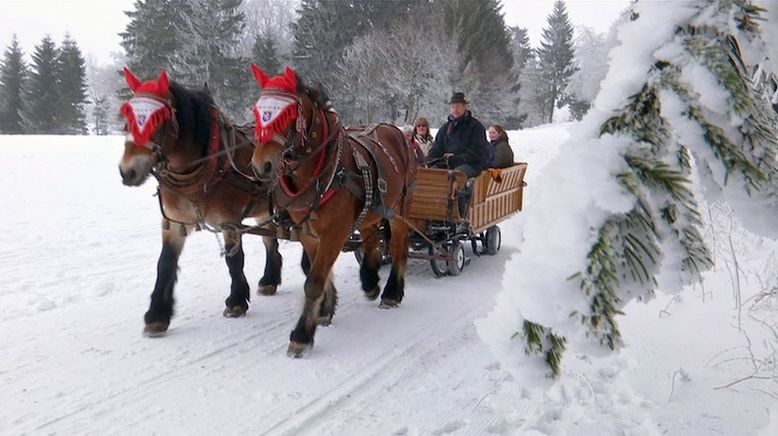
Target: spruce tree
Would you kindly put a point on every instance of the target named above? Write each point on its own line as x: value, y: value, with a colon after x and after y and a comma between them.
x: 196, y: 41
x: 72, y: 88
x: 100, y: 110
x: 522, y: 53
x: 217, y: 26
x: 482, y: 36
x: 556, y: 57
x: 325, y: 28
x: 672, y: 139
x: 154, y: 38
x: 264, y: 54
x: 42, y: 107
x: 13, y: 73
x: 520, y: 48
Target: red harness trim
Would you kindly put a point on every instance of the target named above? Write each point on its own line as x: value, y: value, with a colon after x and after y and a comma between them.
x: 330, y: 192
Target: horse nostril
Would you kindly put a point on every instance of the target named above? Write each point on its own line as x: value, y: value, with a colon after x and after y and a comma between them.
x: 267, y: 168
x: 129, y: 175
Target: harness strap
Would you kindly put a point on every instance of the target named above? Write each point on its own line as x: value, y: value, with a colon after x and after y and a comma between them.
x: 380, y: 208
x: 364, y: 168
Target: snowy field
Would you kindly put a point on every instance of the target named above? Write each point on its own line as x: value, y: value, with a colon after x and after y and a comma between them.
x: 77, y: 264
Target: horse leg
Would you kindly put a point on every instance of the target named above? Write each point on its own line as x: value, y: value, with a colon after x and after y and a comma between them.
x: 328, y: 303
x: 238, y: 301
x: 157, y: 318
x: 398, y: 248
x: 305, y: 263
x: 319, y: 290
x: 271, y: 278
x: 371, y: 261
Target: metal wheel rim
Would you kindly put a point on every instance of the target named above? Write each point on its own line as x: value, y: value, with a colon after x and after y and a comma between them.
x: 457, y: 251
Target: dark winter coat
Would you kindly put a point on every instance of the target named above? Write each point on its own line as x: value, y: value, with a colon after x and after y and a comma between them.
x: 465, y: 138
x: 503, y: 155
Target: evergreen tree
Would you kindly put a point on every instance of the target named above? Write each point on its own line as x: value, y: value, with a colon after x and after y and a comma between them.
x: 486, y: 72
x: 481, y: 36
x: 72, y: 88
x: 534, y: 93
x: 669, y: 139
x: 520, y: 48
x: 100, y: 109
x: 155, y: 36
x: 556, y: 57
x: 265, y: 54
x: 13, y: 73
x: 522, y: 53
x: 325, y: 28
x: 212, y: 54
x: 270, y: 19
x: 196, y: 42
x: 42, y: 108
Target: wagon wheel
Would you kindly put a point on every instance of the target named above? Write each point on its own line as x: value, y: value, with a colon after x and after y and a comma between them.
x: 439, y: 267
x: 456, y: 263
x: 493, y: 240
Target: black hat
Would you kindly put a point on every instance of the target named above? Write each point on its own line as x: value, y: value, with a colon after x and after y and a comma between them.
x: 458, y: 97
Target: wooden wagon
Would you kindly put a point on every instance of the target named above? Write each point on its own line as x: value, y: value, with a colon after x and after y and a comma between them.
x: 442, y: 221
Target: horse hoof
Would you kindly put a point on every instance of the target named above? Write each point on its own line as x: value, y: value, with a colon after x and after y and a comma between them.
x: 388, y: 303
x: 372, y: 294
x: 234, y: 312
x: 296, y: 350
x: 155, y: 329
x: 267, y: 290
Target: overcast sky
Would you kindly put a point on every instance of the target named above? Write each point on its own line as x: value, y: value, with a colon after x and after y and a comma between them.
x: 94, y: 24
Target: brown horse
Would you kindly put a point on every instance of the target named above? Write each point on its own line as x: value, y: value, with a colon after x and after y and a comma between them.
x: 180, y: 137
x: 331, y: 182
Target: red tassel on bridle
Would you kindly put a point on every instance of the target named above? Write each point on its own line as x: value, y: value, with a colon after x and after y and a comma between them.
x: 143, y: 132
x: 271, y: 118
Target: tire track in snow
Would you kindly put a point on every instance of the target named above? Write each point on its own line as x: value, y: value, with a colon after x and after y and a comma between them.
x: 378, y: 374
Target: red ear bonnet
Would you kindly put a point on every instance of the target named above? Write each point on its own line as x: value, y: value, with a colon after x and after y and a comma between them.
x: 259, y: 76
x: 277, y: 106
x: 148, y: 109
x: 132, y: 81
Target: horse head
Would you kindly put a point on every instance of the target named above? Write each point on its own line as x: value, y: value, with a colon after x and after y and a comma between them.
x: 287, y: 123
x: 150, y: 124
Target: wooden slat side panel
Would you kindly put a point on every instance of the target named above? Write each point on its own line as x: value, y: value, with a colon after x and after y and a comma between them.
x: 480, y: 187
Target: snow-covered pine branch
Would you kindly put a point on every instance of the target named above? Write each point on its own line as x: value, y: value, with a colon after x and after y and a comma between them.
x: 676, y: 115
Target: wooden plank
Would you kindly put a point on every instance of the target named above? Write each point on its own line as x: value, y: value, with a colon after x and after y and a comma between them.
x: 501, y: 200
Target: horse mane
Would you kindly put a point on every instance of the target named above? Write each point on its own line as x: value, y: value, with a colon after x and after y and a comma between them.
x: 317, y: 94
x: 192, y: 113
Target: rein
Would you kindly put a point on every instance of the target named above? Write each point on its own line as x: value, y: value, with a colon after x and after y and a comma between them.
x: 189, y: 183
x: 317, y: 191
x: 208, y: 171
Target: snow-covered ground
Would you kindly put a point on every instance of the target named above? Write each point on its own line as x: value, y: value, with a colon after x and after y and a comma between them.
x: 77, y: 264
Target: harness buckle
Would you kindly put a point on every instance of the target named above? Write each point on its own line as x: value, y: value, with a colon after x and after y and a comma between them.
x: 382, y: 186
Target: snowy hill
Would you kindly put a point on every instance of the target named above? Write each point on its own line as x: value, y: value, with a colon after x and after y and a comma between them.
x: 77, y: 265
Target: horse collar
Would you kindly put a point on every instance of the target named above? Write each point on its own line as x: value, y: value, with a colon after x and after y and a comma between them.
x: 204, y: 172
